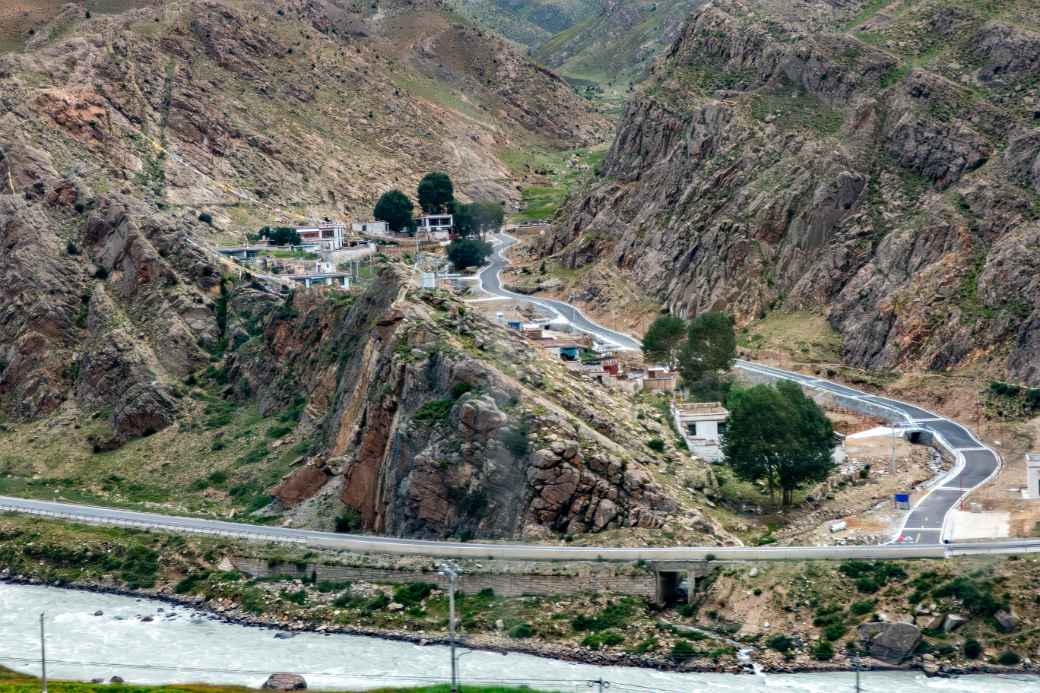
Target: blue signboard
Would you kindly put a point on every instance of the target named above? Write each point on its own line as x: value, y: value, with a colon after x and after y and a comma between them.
x: 902, y: 500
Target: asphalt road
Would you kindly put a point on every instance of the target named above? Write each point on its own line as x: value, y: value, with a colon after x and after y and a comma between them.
x: 925, y: 523
x: 923, y: 527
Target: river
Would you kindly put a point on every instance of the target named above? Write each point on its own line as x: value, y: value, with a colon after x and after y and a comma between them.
x: 180, y: 645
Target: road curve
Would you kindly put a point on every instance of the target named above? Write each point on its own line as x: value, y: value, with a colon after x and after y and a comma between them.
x: 926, y: 523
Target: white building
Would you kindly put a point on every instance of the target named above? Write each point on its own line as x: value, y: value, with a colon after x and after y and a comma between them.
x: 438, y: 226
x: 326, y: 236
x: 1032, y: 475
x: 702, y: 425
x: 371, y: 228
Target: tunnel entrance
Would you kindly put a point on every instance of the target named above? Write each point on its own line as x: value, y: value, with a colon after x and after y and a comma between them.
x: 677, y: 582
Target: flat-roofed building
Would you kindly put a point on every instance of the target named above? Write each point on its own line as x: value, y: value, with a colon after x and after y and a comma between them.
x: 702, y: 425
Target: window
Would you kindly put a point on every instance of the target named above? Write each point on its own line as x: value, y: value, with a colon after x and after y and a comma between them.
x: 691, y: 428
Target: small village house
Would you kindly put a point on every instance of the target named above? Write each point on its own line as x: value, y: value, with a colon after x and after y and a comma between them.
x: 371, y: 228
x: 702, y: 425
x: 660, y: 379
x: 325, y: 236
x: 438, y: 227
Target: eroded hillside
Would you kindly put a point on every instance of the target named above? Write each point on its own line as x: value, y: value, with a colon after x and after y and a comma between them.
x: 877, y: 163
x: 306, y: 110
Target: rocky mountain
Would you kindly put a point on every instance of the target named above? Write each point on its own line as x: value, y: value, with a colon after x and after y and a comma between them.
x: 137, y: 365
x: 258, y: 114
x: 528, y: 22
x: 876, y: 162
x: 617, y: 45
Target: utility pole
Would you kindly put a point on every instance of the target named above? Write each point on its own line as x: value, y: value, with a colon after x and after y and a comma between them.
x: 892, y: 460
x: 855, y: 666
x: 451, y: 572
x: 43, y: 657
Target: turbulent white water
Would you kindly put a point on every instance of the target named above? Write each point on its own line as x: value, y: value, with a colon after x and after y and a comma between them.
x: 188, y: 647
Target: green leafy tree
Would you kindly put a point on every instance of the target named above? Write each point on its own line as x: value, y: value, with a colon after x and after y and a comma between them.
x: 778, y: 435
x: 395, y: 209
x: 468, y: 252
x: 436, y: 193
x: 465, y: 221
x: 280, y: 235
x: 488, y: 216
x: 711, y: 346
x: 664, y: 340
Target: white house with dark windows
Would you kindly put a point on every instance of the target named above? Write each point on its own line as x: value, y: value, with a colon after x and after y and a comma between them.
x: 438, y: 226
x: 325, y: 236
x: 702, y: 425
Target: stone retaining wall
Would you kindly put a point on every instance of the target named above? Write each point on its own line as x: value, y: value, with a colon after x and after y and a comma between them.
x: 504, y: 584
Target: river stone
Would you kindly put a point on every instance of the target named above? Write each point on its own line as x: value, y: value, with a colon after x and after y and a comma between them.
x: 284, y: 681
x: 892, y: 642
x: 116, y: 679
x: 953, y: 622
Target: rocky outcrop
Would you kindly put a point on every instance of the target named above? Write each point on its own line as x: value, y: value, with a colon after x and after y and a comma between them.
x: 892, y: 642
x: 775, y: 162
x: 283, y: 681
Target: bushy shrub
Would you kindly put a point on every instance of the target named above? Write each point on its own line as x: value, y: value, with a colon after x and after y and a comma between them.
x: 1009, y: 658
x: 683, y: 651
x: 972, y: 649
x: 413, y: 593
x: 863, y: 607
x: 521, y: 631
x: 655, y: 444
x: 823, y: 651
x: 780, y: 643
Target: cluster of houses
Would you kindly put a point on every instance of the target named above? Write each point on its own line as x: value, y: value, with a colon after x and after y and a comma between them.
x: 431, y: 227
x: 701, y: 424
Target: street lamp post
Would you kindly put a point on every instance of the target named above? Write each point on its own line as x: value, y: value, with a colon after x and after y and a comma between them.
x: 43, y: 658
x: 451, y: 572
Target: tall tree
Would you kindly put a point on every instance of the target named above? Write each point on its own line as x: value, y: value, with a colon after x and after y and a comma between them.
x: 488, y: 216
x: 395, y: 209
x: 436, y: 193
x: 468, y: 252
x: 711, y: 346
x: 778, y: 435
x: 465, y: 220
x: 664, y: 340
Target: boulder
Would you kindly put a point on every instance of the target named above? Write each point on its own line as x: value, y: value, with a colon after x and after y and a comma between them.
x: 283, y: 681
x: 953, y: 622
x: 1006, y: 620
x: 892, y: 642
x: 930, y: 621
x: 116, y: 679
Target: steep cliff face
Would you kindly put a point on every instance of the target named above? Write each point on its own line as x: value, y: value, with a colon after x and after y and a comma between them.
x: 431, y: 422
x: 876, y: 165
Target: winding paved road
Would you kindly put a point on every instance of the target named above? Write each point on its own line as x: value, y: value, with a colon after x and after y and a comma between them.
x: 925, y: 524
x: 923, y: 527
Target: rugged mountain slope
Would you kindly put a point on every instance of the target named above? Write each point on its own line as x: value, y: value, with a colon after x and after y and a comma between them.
x: 618, y: 44
x: 301, y: 111
x: 137, y: 366
x: 874, y: 162
x: 409, y: 415
x: 528, y: 22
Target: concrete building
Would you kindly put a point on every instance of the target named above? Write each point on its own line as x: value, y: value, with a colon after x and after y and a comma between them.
x: 702, y: 425
x: 438, y: 226
x: 371, y: 228
x: 1032, y: 475
x: 660, y: 379
x: 325, y: 236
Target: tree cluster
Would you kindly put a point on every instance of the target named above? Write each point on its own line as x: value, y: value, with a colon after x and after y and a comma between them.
x: 280, y: 235
x: 778, y: 435
x: 702, y: 349
x: 436, y: 195
x: 468, y: 252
